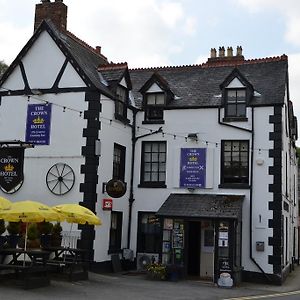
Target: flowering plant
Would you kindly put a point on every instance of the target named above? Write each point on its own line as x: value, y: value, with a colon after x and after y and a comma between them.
x: 156, y: 271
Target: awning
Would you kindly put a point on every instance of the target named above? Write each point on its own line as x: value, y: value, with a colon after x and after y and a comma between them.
x: 202, y: 206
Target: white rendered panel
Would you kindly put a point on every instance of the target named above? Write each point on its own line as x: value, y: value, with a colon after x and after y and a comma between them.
x: 15, y: 80
x: 70, y: 78
x: 235, y: 83
x: 154, y: 88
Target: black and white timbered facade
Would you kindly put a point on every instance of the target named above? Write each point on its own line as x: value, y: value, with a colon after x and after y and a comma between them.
x: 206, y: 152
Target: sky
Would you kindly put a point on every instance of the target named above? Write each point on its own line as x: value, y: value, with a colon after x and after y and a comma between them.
x: 147, y: 33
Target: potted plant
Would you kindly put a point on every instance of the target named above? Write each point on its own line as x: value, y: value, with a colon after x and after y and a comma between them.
x: 156, y: 271
x: 33, y: 234
x: 2, y: 230
x: 56, y: 235
x: 45, y: 229
x: 13, y: 229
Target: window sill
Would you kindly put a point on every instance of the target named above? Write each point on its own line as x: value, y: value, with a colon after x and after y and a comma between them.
x: 235, y: 119
x: 152, y: 185
x: 153, y: 122
x: 234, y: 186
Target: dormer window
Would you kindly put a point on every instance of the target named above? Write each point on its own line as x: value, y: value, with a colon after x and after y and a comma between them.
x: 235, y: 103
x: 121, y: 102
x: 154, y: 106
x: 237, y: 92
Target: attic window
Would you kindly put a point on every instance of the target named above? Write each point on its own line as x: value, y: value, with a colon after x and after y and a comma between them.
x: 121, y: 102
x: 235, y: 103
x: 154, y: 103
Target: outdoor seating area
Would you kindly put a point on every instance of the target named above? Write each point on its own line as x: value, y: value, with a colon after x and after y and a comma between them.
x: 35, y: 249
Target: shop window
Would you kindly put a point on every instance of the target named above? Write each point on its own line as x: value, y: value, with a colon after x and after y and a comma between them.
x: 153, y: 164
x: 119, y: 162
x: 115, y: 236
x: 149, y: 233
x: 235, y: 163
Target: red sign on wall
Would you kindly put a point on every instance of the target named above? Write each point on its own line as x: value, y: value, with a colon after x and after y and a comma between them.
x: 107, y: 204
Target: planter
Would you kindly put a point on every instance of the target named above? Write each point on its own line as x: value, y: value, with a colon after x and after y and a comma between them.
x: 12, y: 240
x: 45, y: 240
x: 3, y: 239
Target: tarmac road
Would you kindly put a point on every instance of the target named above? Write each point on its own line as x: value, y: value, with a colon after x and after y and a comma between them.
x: 137, y: 287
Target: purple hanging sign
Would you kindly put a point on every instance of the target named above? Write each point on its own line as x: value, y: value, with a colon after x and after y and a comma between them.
x: 38, y: 124
x: 192, y: 167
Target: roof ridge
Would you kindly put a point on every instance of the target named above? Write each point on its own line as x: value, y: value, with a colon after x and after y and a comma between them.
x: 84, y: 44
x: 282, y: 57
x: 113, y: 66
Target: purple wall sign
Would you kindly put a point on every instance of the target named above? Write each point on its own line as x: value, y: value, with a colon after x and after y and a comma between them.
x: 38, y: 124
x: 192, y: 167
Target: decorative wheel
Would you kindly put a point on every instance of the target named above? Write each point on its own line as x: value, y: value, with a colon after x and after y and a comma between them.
x: 13, y: 190
x: 60, y: 179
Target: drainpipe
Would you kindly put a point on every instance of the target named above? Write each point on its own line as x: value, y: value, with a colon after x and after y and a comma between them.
x: 251, y: 182
x: 133, y: 144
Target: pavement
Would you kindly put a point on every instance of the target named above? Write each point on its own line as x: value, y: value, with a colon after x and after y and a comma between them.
x: 120, y: 286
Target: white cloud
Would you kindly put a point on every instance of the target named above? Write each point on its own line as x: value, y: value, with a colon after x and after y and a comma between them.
x: 289, y: 9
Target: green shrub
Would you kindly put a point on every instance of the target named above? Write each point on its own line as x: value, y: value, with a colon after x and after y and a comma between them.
x: 13, y: 227
x: 56, y: 229
x: 33, y: 232
x: 2, y: 226
x: 45, y: 227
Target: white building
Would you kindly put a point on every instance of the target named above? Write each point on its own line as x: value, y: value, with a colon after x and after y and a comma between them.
x: 207, y: 152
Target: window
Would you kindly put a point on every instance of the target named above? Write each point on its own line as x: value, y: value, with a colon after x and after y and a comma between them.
x: 235, y: 162
x: 153, y: 172
x: 235, y: 103
x: 115, y: 235
x: 121, y: 102
x: 149, y: 233
x: 119, y: 162
x: 154, y: 106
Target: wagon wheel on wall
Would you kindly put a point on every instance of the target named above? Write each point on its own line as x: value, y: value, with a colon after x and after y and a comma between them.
x: 60, y: 179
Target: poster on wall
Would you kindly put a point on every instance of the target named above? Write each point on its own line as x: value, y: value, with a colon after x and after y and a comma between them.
x: 192, y: 167
x: 11, y: 167
x: 38, y: 124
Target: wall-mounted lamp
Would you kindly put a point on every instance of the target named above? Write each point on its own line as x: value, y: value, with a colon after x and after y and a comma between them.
x: 193, y: 136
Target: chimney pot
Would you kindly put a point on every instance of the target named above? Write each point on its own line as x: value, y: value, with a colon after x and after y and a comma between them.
x: 229, y: 51
x: 239, y: 51
x: 98, y: 49
x: 221, y: 51
x: 213, y: 53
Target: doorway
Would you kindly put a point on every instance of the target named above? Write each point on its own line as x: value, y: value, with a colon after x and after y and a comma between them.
x: 200, y: 249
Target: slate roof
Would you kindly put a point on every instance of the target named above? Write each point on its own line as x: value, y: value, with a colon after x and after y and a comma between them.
x: 199, y: 85
x: 202, y: 206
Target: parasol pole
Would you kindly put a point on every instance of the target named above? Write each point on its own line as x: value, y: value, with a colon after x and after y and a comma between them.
x: 25, y: 247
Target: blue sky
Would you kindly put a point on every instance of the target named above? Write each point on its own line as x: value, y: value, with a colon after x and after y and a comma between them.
x: 169, y: 32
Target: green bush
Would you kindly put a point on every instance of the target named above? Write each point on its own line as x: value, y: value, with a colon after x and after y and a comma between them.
x: 13, y: 227
x: 33, y: 232
x: 56, y: 229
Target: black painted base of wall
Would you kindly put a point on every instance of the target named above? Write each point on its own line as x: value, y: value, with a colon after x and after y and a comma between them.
x: 106, y: 266
x: 257, y: 277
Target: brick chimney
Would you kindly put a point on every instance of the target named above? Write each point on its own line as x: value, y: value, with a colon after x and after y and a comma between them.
x: 55, y: 11
x: 223, y: 59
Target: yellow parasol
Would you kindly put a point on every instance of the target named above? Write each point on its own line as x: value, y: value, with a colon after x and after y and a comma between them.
x: 75, y: 213
x: 4, y: 203
x: 29, y: 211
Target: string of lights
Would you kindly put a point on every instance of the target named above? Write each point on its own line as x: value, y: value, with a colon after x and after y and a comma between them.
x: 110, y: 122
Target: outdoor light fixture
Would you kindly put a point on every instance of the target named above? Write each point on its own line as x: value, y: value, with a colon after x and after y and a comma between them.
x: 36, y: 92
x: 193, y: 136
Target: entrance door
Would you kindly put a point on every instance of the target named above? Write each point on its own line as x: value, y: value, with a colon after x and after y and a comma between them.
x: 207, y: 250
x: 193, y: 251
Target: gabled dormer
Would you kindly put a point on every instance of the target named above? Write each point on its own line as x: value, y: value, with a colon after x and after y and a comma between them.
x: 156, y: 95
x: 118, y: 80
x: 236, y: 95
